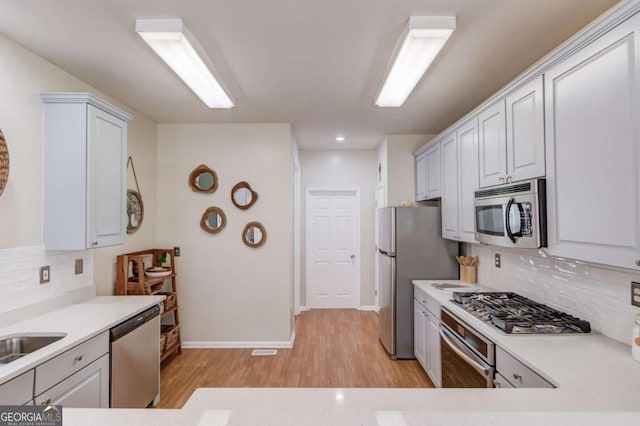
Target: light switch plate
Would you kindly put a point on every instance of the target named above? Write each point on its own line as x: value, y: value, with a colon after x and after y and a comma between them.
x: 45, y: 274
x: 176, y: 251
x: 497, y: 260
x: 635, y: 294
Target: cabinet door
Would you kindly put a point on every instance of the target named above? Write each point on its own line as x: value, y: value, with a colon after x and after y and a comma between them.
x: 449, y: 202
x: 106, y: 178
x: 18, y: 390
x: 433, y: 351
x: 421, y: 177
x: 593, y: 140
x: 419, y: 336
x: 492, y: 145
x: 434, y: 181
x: 468, y: 175
x: 525, y: 132
x: 88, y: 388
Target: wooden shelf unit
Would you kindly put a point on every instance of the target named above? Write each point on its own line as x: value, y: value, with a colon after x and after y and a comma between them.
x: 131, y: 280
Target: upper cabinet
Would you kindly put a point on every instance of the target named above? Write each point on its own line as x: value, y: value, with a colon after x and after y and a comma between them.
x: 493, y: 145
x: 511, y: 137
x: 593, y: 150
x: 85, y: 153
x: 428, y: 173
x: 449, y: 204
x: 525, y: 132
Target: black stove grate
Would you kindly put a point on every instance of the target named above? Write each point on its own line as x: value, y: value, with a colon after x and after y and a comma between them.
x: 516, y: 314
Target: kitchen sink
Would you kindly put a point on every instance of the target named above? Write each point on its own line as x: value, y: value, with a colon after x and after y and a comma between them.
x: 15, y: 347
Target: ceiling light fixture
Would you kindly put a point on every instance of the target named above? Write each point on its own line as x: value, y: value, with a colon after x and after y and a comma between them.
x: 340, y: 138
x: 423, y: 38
x: 171, y: 40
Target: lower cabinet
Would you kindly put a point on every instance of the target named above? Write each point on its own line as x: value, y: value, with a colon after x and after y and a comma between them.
x: 17, y: 391
x: 426, y: 339
x: 513, y: 374
x: 88, y: 388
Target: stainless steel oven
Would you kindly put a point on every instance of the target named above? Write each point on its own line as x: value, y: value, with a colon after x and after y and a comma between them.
x: 513, y: 215
x: 468, y: 358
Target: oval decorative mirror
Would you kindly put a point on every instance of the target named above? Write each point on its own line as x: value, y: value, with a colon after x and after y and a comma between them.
x: 254, y: 235
x: 4, y: 163
x: 213, y: 220
x: 243, y: 196
x: 203, y: 179
x: 135, y: 211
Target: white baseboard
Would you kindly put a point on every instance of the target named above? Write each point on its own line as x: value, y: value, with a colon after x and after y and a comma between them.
x: 367, y: 308
x: 304, y: 308
x: 241, y: 345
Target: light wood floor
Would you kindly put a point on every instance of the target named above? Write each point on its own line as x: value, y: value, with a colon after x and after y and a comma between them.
x: 333, y: 348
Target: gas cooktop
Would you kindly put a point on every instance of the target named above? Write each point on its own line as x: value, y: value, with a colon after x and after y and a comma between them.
x: 516, y: 314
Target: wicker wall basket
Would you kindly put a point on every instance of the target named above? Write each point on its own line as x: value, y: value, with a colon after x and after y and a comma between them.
x: 4, y: 163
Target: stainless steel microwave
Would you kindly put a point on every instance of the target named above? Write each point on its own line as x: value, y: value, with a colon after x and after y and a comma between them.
x: 512, y: 215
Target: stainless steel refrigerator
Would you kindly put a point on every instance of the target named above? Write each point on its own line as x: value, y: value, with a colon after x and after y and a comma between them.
x: 410, y: 246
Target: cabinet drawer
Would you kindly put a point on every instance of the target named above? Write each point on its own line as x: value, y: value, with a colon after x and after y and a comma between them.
x: 519, y: 375
x: 18, y: 390
x: 67, y: 363
x: 501, y: 383
x: 432, y: 305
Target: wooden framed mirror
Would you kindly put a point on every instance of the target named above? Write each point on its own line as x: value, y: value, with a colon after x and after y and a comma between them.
x: 213, y: 220
x: 135, y: 211
x: 4, y: 163
x: 203, y: 179
x: 242, y: 196
x: 254, y: 235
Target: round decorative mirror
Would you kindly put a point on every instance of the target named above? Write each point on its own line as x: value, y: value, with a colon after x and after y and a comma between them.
x: 243, y: 196
x: 213, y: 220
x: 203, y: 179
x: 254, y: 235
x: 4, y: 163
x: 135, y: 211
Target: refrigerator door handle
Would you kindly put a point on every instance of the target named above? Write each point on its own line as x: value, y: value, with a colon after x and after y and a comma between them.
x: 393, y: 306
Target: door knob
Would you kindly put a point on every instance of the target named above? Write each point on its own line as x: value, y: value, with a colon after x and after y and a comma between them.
x: 638, y: 262
x: 353, y: 256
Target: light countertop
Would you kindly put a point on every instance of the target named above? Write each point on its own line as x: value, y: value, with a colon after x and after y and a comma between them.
x: 80, y: 321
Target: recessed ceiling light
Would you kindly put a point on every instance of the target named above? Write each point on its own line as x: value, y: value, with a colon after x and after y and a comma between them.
x: 171, y: 40
x: 340, y: 139
x: 423, y: 39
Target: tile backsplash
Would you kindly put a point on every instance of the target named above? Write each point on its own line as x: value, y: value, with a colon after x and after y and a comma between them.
x: 20, y: 288
x: 596, y: 293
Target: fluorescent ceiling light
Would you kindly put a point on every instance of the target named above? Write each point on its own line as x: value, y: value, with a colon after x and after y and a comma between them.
x: 171, y: 40
x: 424, y: 37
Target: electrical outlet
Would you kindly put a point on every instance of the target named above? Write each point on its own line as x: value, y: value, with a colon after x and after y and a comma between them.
x: 497, y: 260
x: 79, y: 266
x: 176, y: 251
x: 635, y: 294
x: 45, y: 274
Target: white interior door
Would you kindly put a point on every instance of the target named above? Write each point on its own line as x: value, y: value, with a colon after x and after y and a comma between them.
x: 333, y: 261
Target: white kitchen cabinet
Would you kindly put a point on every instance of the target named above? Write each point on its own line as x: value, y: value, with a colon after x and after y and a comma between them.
x: 593, y: 150
x: 87, y: 388
x: 434, y: 172
x: 85, y: 153
x: 511, y: 137
x: 17, y: 391
x: 420, y: 329
x: 468, y: 183
x: 449, y: 203
x: 525, y: 132
x: 492, y: 145
x: 428, y: 174
x: 460, y: 180
x: 421, y: 177
x: 79, y: 377
x: 515, y: 373
x: 434, y: 362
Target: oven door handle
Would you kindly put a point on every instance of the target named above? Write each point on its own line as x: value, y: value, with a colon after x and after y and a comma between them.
x: 469, y: 357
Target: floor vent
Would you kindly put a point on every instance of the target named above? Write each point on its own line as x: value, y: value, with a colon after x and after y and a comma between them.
x: 263, y: 352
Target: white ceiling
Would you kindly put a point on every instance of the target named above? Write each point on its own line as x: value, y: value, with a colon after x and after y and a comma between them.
x: 315, y: 64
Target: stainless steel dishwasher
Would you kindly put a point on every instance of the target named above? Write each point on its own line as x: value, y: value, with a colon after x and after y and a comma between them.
x: 135, y: 361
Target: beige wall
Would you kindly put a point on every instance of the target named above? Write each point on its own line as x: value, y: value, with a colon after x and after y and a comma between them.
x: 24, y: 76
x: 345, y: 169
x: 401, y: 167
x: 228, y: 291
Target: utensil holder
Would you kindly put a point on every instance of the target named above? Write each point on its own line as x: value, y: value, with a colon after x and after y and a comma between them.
x: 468, y: 274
